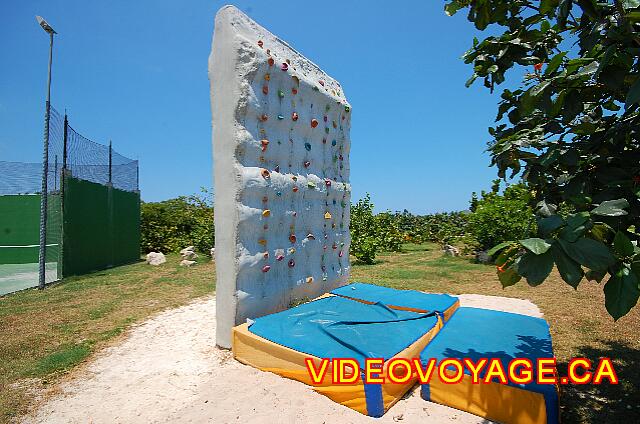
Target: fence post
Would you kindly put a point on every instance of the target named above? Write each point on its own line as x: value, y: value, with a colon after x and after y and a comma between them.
x: 110, y: 160
x: 64, y: 143
x: 43, y: 200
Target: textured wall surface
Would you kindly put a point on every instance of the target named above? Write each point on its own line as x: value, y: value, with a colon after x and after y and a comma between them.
x: 281, y: 173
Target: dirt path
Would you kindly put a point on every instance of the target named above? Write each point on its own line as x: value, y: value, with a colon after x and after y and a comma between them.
x: 169, y: 370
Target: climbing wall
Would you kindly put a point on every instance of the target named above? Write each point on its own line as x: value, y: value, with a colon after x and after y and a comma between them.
x: 281, y: 171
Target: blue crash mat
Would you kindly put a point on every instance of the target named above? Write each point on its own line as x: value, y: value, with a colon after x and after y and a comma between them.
x: 336, y: 327
x: 480, y: 333
x: 400, y: 298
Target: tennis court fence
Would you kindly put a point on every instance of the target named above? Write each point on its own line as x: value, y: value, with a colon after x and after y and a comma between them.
x: 92, y: 195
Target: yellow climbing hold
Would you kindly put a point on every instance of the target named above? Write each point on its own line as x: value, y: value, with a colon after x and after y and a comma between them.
x: 266, y: 213
x: 327, y: 215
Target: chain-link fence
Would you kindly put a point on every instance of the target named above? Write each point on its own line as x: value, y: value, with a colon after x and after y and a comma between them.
x: 71, y: 157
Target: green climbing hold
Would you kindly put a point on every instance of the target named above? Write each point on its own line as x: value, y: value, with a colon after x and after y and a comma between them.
x: 280, y: 93
x: 311, y: 184
x: 347, y: 108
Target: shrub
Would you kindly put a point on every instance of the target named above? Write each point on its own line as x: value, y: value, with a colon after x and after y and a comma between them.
x: 171, y: 225
x: 500, y: 217
x: 364, y: 245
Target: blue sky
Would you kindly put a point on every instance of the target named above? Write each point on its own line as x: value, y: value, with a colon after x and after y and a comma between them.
x: 136, y: 72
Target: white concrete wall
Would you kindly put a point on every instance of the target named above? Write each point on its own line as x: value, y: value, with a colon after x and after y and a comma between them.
x: 275, y: 176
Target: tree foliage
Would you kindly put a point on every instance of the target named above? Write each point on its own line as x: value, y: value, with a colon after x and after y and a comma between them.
x: 174, y: 224
x: 497, y: 217
x: 571, y: 131
x: 371, y: 233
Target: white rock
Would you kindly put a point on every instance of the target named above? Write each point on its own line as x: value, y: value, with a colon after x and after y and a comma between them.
x: 451, y: 250
x: 213, y: 254
x: 187, y: 263
x: 189, y: 255
x: 156, y: 258
x: 187, y: 249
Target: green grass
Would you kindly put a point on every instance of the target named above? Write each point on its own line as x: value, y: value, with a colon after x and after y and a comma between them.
x: 46, y: 334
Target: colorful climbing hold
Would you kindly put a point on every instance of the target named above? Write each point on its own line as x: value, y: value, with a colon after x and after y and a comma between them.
x: 265, y: 199
x: 327, y: 215
x: 292, y: 238
x: 307, y: 163
x: 264, y: 144
x: 310, y: 236
x: 314, y: 123
x: 260, y: 43
x: 292, y: 263
x: 266, y: 268
x: 265, y: 174
x: 340, y: 254
x: 347, y: 108
x: 327, y: 182
x: 333, y: 142
x: 267, y: 76
x: 294, y: 116
x: 311, y: 184
x: 262, y: 241
x: 307, y: 146
x: 279, y: 258
x: 321, y: 83
x: 280, y: 93
x: 264, y: 117
x: 278, y: 193
x: 309, y: 280
x: 265, y: 89
x: 277, y: 168
x: 266, y: 213
x: 265, y: 255
x: 270, y: 61
x: 295, y: 189
x: 285, y: 66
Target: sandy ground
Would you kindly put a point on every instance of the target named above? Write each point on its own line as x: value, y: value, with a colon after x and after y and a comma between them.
x: 168, y: 369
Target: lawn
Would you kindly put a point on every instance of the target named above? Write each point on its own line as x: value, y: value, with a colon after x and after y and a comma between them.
x: 45, y: 334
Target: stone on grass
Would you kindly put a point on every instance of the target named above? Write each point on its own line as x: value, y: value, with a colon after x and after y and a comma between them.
x: 187, y: 263
x: 450, y: 250
x: 156, y: 258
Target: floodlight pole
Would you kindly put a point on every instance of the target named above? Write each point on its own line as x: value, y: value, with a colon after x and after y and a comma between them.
x: 45, y: 169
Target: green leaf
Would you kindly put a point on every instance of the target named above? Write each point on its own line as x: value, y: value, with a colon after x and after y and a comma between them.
x: 554, y: 63
x: 621, y: 293
x: 538, y: 89
x: 590, y: 253
x: 596, y: 276
x: 535, y: 268
x: 569, y: 270
x: 612, y: 208
x: 471, y: 80
x: 535, y: 245
x: 547, y: 6
x: 630, y: 4
x: 633, y: 96
x: 545, y: 209
x: 549, y: 224
x: 508, y: 277
x: 497, y: 248
x: 622, y: 244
